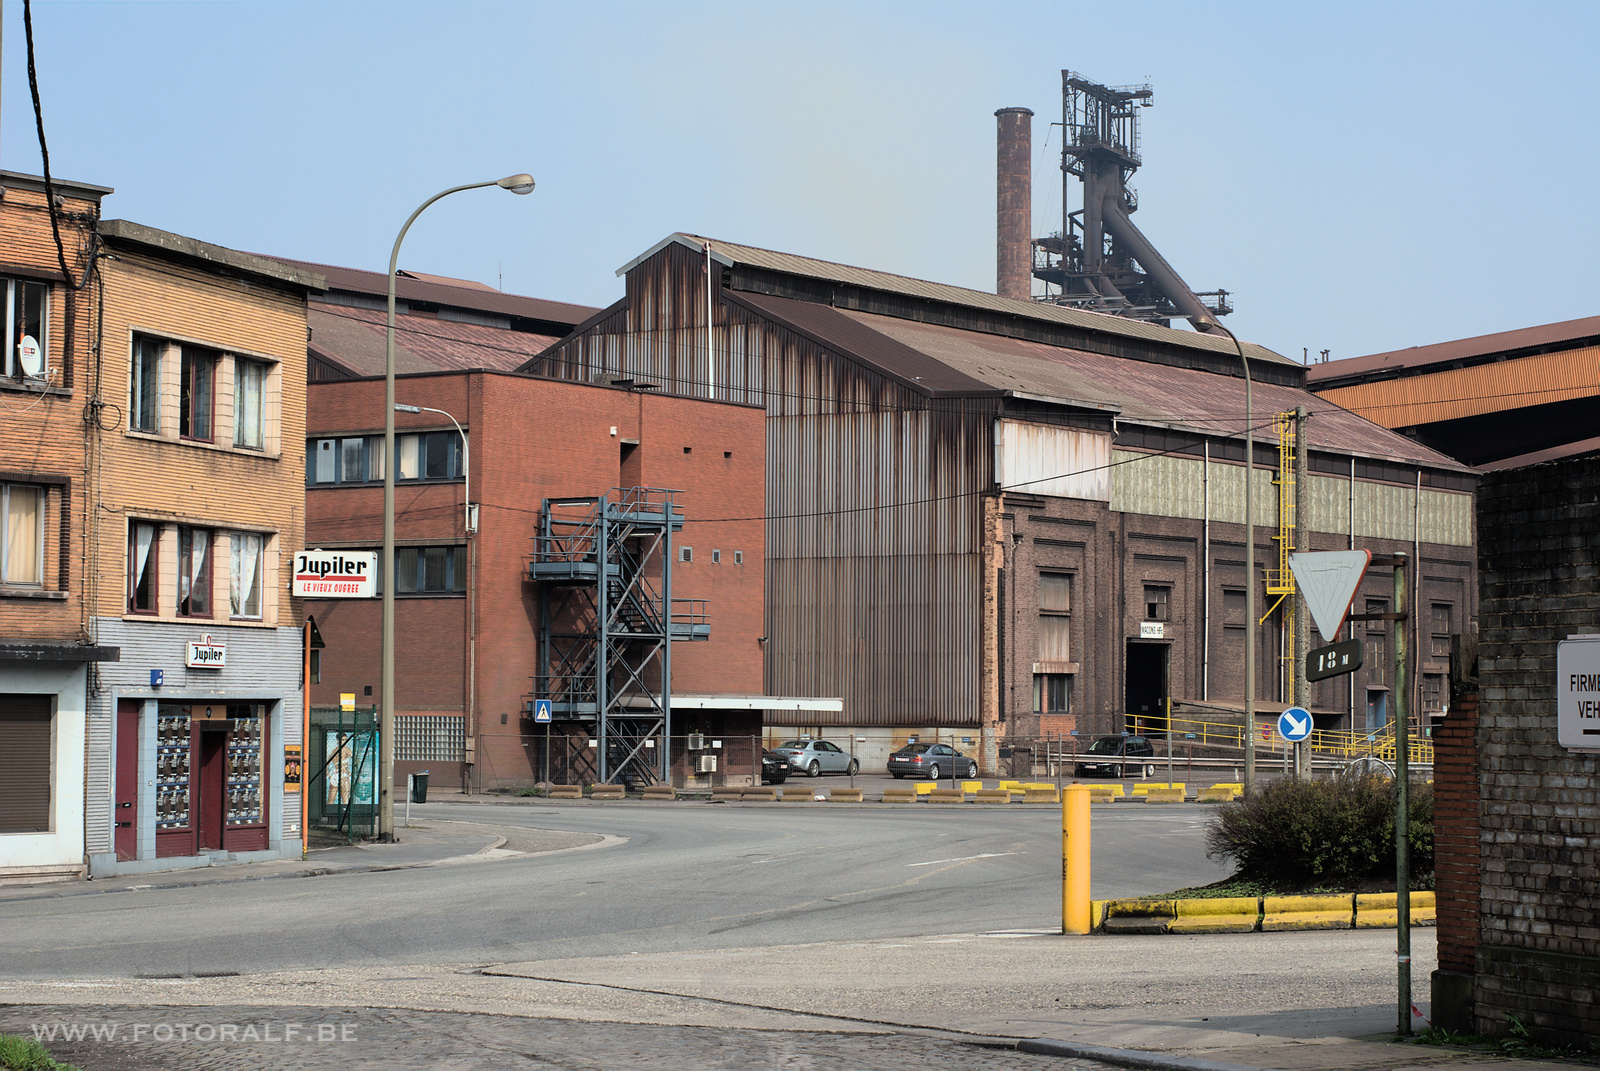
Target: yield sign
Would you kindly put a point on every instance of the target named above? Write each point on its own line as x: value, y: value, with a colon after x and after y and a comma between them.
x: 1328, y: 579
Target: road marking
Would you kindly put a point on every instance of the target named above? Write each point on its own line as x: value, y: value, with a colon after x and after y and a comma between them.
x: 964, y: 858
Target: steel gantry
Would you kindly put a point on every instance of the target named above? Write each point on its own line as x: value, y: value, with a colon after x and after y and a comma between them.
x: 607, y: 619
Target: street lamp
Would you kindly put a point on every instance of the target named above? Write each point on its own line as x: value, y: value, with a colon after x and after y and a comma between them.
x: 467, y: 524
x: 519, y: 184
x: 1249, y: 564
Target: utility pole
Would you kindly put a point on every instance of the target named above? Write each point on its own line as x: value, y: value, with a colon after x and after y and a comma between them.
x: 1402, y: 774
x: 1302, y: 613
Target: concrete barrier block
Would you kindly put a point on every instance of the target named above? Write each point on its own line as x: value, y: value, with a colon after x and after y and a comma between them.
x: 993, y: 795
x: 1041, y: 795
x: 947, y: 795
x: 1216, y: 794
x: 569, y: 792
x: 796, y: 794
x: 1018, y: 784
x: 1164, y: 795
x: 727, y: 793
x: 603, y: 791
x: 925, y: 787
x: 765, y: 792
x: 1307, y: 912
x: 1139, y: 916
x: 900, y: 795
x: 1228, y: 914
x: 1381, y: 911
x: 844, y: 795
x: 1030, y: 786
x: 658, y: 792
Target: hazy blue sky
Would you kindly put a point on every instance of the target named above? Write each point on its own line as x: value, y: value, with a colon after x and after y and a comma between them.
x: 1363, y: 177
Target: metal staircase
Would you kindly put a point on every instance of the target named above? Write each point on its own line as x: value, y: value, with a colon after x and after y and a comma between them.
x: 607, y: 621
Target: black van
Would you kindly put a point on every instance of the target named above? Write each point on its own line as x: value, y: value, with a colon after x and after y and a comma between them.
x: 1117, y: 756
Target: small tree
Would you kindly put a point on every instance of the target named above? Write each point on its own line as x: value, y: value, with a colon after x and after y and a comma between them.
x: 1336, y: 831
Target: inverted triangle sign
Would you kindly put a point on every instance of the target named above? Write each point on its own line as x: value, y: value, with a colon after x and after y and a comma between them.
x: 1328, y: 580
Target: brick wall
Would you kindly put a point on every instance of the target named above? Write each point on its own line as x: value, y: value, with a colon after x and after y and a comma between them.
x: 1538, y: 957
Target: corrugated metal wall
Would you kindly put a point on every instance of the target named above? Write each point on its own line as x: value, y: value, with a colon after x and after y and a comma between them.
x: 873, y: 497
x: 263, y: 664
x: 1038, y: 459
x: 1167, y: 486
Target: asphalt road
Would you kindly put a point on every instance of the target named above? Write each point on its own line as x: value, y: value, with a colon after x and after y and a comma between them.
x: 679, y: 878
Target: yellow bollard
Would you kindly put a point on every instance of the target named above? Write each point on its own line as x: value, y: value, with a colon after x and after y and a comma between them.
x: 1075, y: 859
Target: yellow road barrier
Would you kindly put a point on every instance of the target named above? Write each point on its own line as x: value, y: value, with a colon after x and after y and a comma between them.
x: 1229, y: 914
x: 1307, y: 912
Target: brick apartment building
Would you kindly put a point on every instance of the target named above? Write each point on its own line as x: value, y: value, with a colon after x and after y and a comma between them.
x: 46, y: 644
x: 196, y: 467
x: 467, y: 615
x: 992, y: 519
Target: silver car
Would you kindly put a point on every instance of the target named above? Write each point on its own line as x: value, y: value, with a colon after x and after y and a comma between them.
x: 816, y: 757
x: 931, y: 760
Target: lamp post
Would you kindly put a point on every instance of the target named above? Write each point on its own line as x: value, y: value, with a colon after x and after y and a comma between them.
x: 519, y: 184
x: 1249, y: 563
x: 466, y: 458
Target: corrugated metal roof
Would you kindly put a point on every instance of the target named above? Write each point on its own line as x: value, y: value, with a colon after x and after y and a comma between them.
x: 731, y: 253
x: 976, y: 362
x: 1581, y: 448
x: 425, y: 290
x: 1566, y: 334
x: 355, y: 338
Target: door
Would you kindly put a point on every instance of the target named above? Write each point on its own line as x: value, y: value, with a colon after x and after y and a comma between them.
x: 1145, y: 687
x: 125, y: 813
x: 213, y: 785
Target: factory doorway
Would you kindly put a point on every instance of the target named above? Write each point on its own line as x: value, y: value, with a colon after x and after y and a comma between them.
x: 1145, y: 688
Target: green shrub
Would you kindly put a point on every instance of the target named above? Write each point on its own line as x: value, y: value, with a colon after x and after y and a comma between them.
x: 1334, y: 831
x: 25, y: 1054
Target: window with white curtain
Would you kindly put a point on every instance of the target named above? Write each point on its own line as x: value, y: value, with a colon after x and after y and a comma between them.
x: 244, y: 586
x: 143, y: 556
x: 249, y: 403
x: 194, y: 572
x: 22, y: 539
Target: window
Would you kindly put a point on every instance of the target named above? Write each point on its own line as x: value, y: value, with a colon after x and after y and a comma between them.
x: 428, y: 571
x: 434, y: 455
x: 686, y: 554
x: 1055, y: 617
x: 1376, y: 655
x: 196, y: 375
x: 249, y: 403
x: 245, y: 580
x: 716, y: 557
x: 1052, y: 693
x: 144, y: 552
x: 144, y: 402
x: 316, y: 665
x: 1156, y: 600
x: 22, y: 539
x: 1433, y: 693
x: 1233, y: 607
x: 25, y: 763
x: 26, y: 322
x: 194, y: 572
x: 1443, y: 620
x: 738, y: 557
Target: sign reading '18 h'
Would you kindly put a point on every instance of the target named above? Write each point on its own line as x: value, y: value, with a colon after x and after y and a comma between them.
x: 336, y: 574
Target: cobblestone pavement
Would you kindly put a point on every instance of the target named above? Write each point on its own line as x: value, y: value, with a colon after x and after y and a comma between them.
x: 254, y: 1038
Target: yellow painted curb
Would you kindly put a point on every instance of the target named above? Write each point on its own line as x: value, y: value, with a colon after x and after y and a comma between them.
x: 1229, y: 914
x: 1307, y: 913
x: 1380, y: 911
x: 1139, y: 916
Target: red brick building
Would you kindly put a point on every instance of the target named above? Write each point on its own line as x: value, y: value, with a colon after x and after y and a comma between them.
x: 468, y: 616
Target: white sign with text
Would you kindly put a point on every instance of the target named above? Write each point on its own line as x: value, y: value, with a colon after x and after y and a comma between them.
x: 336, y: 574
x: 1578, y: 693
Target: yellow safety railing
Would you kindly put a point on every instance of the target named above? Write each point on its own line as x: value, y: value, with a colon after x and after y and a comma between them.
x: 1331, y: 743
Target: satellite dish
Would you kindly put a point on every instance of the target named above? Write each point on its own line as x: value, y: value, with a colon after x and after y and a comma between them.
x: 30, y: 356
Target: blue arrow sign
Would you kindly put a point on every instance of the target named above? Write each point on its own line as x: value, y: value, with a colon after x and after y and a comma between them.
x: 1294, y: 724
x: 541, y: 710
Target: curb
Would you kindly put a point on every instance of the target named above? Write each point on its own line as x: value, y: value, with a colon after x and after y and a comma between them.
x: 1268, y: 914
x: 1128, y: 1057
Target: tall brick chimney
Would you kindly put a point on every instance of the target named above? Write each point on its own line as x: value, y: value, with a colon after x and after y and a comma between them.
x: 1014, y: 204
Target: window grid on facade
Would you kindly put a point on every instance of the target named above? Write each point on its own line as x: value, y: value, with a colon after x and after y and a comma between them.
x: 27, y: 319
x: 1052, y: 693
x: 1157, y: 600
x: 194, y: 572
x: 196, y: 377
x: 1377, y: 644
x: 22, y: 508
x: 434, y: 455
x: 1442, y: 621
x: 1055, y: 617
x: 430, y: 738
x: 428, y: 570
x: 144, y: 555
x: 144, y: 398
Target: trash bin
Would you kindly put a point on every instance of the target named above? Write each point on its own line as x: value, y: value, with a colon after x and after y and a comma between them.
x: 419, y: 787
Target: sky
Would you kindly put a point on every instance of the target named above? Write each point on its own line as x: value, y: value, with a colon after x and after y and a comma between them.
x: 1361, y: 177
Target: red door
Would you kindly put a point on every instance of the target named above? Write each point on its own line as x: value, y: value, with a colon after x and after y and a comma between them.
x: 125, y: 815
x: 213, y: 780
